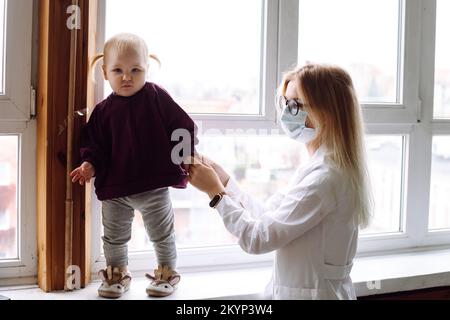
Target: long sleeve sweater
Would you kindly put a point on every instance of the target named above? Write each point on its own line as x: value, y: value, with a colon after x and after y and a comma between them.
x: 128, y: 140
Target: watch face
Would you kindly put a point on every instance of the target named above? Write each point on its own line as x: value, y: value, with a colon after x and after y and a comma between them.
x: 214, y: 201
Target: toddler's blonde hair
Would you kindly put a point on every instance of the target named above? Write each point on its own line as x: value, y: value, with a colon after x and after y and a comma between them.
x: 121, y: 43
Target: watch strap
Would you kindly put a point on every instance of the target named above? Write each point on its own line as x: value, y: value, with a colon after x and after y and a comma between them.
x: 216, y: 200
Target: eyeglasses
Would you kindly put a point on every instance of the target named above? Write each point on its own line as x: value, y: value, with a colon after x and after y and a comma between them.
x: 294, y: 105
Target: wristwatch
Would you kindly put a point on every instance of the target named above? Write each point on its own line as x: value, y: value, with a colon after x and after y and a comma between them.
x: 216, y: 199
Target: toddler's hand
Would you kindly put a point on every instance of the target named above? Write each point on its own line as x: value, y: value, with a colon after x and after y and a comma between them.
x: 83, y: 173
x: 185, y: 167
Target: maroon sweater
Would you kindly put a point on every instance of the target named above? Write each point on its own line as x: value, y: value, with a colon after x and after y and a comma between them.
x: 128, y: 141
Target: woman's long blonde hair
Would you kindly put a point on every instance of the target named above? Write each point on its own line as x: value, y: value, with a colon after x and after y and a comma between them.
x: 333, y: 108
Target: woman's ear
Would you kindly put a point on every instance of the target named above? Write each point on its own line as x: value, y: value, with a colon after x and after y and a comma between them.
x: 309, y: 123
x: 105, y: 75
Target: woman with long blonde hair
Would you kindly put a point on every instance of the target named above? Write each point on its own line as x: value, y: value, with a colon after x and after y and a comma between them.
x: 313, y: 223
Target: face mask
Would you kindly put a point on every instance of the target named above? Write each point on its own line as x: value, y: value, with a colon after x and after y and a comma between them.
x: 295, y: 126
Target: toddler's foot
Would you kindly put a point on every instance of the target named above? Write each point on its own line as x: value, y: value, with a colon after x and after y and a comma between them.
x: 163, y: 283
x: 115, y: 282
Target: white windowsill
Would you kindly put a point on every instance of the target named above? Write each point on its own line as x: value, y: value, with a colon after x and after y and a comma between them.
x: 399, y: 272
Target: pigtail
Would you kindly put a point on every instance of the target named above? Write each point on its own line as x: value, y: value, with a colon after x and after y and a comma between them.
x: 154, y: 57
x: 93, y: 63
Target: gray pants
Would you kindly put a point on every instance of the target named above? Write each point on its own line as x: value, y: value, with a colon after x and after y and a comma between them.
x: 157, y: 214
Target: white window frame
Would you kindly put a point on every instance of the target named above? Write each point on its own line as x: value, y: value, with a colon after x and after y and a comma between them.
x: 411, y: 118
x: 15, y: 103
x: 15, y: 119
x: 25, y: 267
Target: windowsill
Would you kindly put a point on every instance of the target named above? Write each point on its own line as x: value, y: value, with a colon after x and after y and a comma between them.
x: 396, y: 273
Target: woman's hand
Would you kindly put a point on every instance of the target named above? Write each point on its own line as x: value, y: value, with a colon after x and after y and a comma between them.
x: 204, y: 178
x: 83, y: 173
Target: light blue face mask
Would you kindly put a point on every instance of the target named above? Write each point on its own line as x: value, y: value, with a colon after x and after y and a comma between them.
x: 295, y: 126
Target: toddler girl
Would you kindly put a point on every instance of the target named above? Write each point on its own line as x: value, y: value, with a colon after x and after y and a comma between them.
x: 127, y: 146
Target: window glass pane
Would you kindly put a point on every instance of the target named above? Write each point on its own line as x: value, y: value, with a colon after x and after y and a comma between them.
x: 210, y: 50
x: 2, y: 44
x: 440, y: 184
x: 384, y: 156
x: 369, y: 51
x: 8, y: 196
x: 442, y: 73
x: 263, y: 165
x: 260, y: 164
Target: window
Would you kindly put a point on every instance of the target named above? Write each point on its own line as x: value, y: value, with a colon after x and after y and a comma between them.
x: 17, y: 143
x: 252, y: 44
x: 385, y: 161
x: 370, y: 52
x: 8, y: 197
x: 439, y: 209
x: 440, y: 184
x: 442, y: 71
x: 261, y: 164
x: 16, y: 75
x: 212, y: 65
x: 210, y: 61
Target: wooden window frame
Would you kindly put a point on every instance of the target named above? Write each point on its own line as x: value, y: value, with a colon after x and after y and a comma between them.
x: 53, y: 93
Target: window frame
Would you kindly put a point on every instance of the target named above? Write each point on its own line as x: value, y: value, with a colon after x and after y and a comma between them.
x: 411, y: 118
x: 15, y: 119
x: 15, y: 103
x: 26, y: 264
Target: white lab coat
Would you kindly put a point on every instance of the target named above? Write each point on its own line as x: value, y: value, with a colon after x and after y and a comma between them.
x: 311, y: 225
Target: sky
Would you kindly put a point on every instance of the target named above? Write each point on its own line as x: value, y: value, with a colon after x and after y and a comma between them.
x: 212, y: 47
